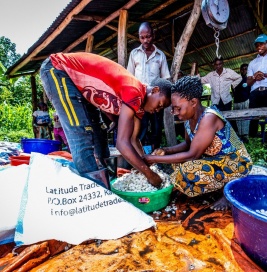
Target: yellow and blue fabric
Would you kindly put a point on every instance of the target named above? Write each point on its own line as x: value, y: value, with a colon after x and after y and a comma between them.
x: 225, y: 159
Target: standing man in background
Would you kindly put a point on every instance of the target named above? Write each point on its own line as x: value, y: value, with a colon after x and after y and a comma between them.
x: 147, y: 63
x: 257, y: 79
x: 221, y: 80
x: 241, y: 101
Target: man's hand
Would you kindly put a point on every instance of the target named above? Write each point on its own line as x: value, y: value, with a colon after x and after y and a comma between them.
x: 258, y: 76
x: 112, y: 126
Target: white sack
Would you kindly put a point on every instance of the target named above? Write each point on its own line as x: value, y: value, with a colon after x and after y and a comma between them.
x: 12, y: 182
x: 87, y: 211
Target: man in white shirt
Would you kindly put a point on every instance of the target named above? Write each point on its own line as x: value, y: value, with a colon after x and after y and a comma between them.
x: 257, y: 79
x: 221, y: 80
x: 148, y: 63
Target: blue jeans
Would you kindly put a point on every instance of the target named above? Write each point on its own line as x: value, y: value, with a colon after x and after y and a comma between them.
x: 81, y: 121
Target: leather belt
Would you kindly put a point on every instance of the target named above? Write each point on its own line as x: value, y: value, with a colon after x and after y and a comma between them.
x: 261, y: 89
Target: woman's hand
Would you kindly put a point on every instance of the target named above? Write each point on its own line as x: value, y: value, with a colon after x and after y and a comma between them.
x: 150, y: 159
x: 159, y: 152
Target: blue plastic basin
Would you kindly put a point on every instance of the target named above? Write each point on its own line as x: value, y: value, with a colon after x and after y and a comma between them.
x: 246, y: 196
x: 40, y: 145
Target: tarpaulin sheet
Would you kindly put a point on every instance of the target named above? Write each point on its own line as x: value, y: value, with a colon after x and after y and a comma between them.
x: 191, y: 237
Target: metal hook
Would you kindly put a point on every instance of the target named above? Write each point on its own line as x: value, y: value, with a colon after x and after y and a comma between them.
x: 217, y: 41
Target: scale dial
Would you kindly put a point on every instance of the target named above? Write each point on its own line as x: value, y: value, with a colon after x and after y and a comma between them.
x: 215, y: 13
x: 218, y: 10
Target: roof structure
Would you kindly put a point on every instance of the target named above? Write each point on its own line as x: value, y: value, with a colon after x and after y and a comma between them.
x: 80, y: 18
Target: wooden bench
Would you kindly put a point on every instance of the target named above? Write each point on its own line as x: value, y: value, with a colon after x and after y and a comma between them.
x: 249, y: 114
x: 246, y: 114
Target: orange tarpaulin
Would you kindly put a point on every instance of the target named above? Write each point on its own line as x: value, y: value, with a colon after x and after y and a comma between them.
x: 192, y: 237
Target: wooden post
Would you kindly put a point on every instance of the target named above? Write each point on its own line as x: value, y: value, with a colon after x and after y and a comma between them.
x: 183, y: 42
x: 34, y: 96
x: 89, y: 43
x: 180, y: 49
x: 34, y: 93
x: 122, y: 38
x: 193, y: 69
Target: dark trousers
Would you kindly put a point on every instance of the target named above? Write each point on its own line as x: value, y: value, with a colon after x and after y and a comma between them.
x: 156, y: 123
x: 257, y: 99
x: 82, y: 122
x: 224, y: 107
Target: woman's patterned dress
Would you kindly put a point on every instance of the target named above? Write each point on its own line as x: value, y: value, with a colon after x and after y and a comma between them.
x: 225, y: 159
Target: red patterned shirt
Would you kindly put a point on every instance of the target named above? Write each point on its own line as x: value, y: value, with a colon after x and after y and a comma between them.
x: 103, y: 82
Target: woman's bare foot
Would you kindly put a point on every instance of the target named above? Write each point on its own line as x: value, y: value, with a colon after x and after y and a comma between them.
x: 221, y: 205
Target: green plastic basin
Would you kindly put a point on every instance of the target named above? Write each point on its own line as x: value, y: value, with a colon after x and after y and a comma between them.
x: 146, y: 201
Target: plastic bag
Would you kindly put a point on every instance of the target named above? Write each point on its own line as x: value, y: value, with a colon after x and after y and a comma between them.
x: 59, y: 204
x: 12, y: 181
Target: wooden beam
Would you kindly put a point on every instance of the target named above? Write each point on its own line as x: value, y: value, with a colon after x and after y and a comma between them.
x: 122, y: 38
x: 246, y: 114
x: 129, y: 36
x: 258, y: 19
x: 101, y: 24
x: 50, y: 38
x: 144, y: 17
x: 180, y: 10
x: 88, y: 18
x: 184, y: 39
x: 157, y: 9
x: 89, y: 43
x: 34, y: 93
x: 22, y: 74
x: 230, y: 59
x: 221, y: 41
x: 177, y: 60
x: 116, y: 30
x: 173, y: 37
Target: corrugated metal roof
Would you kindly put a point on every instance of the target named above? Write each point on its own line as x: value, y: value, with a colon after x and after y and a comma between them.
x: 235, y: 46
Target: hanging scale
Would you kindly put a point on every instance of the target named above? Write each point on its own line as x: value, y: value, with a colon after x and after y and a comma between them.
x: 216, y: 14
x: 217, y: 41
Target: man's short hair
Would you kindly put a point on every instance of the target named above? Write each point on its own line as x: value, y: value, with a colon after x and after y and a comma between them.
x: 243, y: 65
x: 147, y: 25
x: 217, y: 58
x: 164, y: 85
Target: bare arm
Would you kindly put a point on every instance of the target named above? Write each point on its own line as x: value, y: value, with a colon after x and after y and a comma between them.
x: 127, y: 143
x: 131, y: 66
x: 236, y: 78
x: 202, y: 140
x: 135, y: 139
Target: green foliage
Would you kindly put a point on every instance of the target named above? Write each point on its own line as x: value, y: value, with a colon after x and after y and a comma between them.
x: 14, y: 91
x: 15, y: 122
x: 15, y: 136
x: 22, y: 91
x: 257, y: 151
x: 8, y: 55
